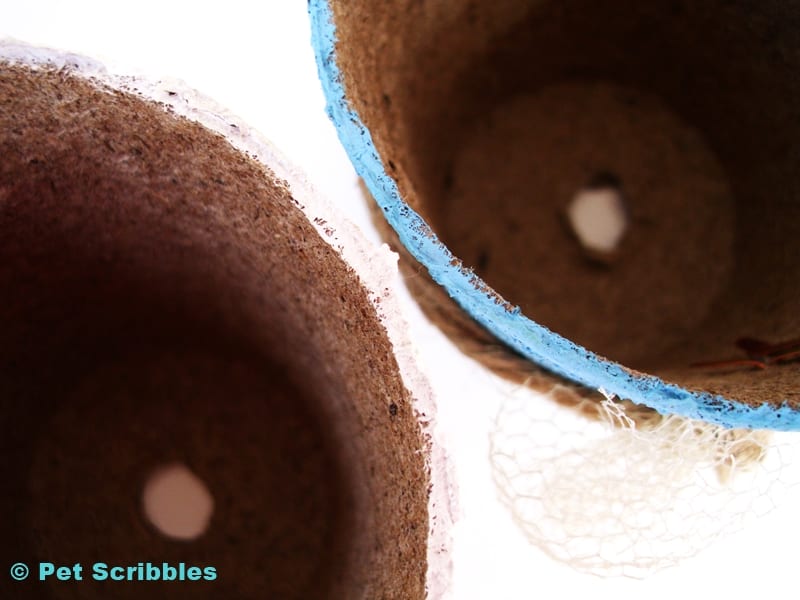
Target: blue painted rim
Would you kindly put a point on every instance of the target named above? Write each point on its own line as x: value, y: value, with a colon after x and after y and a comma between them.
x: 506, y: 322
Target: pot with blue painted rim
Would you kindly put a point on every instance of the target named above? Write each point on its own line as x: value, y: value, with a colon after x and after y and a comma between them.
x: 606, y: 191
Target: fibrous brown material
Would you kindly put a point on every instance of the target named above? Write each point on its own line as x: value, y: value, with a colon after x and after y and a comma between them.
x: 164, y: 298
x: 491, y: 116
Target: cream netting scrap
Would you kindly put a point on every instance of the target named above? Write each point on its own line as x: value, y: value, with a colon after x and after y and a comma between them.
x: 610, y: 497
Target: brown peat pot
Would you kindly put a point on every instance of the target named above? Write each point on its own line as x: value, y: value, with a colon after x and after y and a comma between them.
x: 172, y: 294
x: 476, y: 124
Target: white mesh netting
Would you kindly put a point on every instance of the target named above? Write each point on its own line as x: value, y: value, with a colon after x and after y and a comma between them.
x: 610, y: 497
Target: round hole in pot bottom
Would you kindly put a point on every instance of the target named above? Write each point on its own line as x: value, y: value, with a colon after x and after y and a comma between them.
x: 484, y: 119
x: 164, y: 299
x: 177, y: 502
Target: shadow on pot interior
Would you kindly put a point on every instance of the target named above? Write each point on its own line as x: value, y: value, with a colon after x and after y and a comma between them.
x: 165, y: 303
x: 495, y: 117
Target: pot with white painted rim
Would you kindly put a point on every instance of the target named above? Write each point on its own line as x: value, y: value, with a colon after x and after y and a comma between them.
x: 181, y: 315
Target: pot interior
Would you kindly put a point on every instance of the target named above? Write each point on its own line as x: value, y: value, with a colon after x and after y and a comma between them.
x: 493, y: 117
x: 164, y: 300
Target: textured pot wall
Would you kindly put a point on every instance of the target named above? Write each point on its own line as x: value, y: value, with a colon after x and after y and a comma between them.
x: 487, y: 118
x: 164, y: 298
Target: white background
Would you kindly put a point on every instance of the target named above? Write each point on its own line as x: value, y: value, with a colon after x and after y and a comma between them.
x: 256, y: 59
